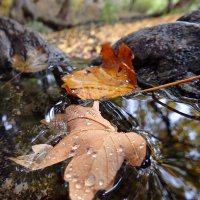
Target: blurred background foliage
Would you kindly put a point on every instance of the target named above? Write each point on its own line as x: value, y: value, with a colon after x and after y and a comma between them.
x: 46, y: 15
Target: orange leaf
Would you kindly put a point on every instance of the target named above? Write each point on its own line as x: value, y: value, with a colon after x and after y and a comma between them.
x: 115, y: 77
x: 98, y: 151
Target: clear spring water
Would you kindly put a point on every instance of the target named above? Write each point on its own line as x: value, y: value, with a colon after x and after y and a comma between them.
x: 171, y: 171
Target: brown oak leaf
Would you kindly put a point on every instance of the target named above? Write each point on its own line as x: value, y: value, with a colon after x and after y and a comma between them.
x: 115, y: 77
x: 96, y: 148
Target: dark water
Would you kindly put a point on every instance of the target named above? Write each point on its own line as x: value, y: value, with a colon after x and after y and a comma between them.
x: 171, y: 171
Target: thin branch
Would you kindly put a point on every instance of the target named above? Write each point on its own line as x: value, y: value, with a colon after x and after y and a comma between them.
x: 193, y: 78
x: 174, y: 110
x: 12, y: 79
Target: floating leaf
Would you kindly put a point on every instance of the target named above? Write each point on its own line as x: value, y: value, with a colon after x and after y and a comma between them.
x: 115, y: 77
x: 98, y: 151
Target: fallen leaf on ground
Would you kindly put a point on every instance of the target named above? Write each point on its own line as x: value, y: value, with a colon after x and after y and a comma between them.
x: 96, y: 148
x: 36, y: 60
x: 115, y: 77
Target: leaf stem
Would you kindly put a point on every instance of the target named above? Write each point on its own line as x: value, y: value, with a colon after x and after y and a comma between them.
x: 193, y: 78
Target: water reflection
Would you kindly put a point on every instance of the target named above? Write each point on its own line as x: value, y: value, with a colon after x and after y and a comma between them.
x: 7, y: 125
x: 50, y: 115
x: 175, y: 154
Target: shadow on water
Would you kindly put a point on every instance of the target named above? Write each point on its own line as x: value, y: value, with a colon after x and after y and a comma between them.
x: 170, y: 171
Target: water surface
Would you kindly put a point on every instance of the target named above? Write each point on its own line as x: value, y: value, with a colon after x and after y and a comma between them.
x: 171, y: 170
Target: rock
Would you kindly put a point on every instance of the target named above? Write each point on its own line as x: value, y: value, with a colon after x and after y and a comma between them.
x: 16, y: 40
x: 191, y: 17
x: 166, y: 53
x: 5, y: 47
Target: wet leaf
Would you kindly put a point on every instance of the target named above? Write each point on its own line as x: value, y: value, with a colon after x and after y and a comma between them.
x: 115, y: 77
x: 39, y: 152
x: 35, y: 61
x: 98, y: 151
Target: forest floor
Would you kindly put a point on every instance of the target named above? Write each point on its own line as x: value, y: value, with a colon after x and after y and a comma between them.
x: 85, y: 41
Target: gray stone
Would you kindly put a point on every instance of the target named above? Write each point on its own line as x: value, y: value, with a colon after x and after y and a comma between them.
x: 15, y: 39
x: 166, y: 53
x: 191, y: 17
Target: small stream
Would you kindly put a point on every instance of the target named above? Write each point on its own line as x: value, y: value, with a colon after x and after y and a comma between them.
x: 171, y: 169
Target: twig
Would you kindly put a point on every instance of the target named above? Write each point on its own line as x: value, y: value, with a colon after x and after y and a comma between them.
x: 13, y: 78
x: 170, y: 108
x: 193, y: 78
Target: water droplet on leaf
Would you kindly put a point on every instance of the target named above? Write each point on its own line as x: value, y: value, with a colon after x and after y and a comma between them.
x: 79, y: 198
x: 78, y: 186
x: 75, y: 179
x: 90, y: 180
x: 94, y: 155
x: 68, y: 176
x: 75, y: 147
x: 89, y: 151
x: 120, y: 149
x: 72, y: 153
x: 141, y: 146
x: 87, y: 190
x: 76, y: 137
x: 101, y: 182
x: 88, y: 123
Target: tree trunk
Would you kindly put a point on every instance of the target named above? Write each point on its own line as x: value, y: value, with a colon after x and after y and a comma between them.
x: 64, y: 10
x: 183, y: 3
x: 21, y: 10
x: 131, y: 5
x: 169, y: 6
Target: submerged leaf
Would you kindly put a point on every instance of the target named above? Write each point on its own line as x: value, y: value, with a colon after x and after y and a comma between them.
x: 115, y: 77
x: 98, y: 151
